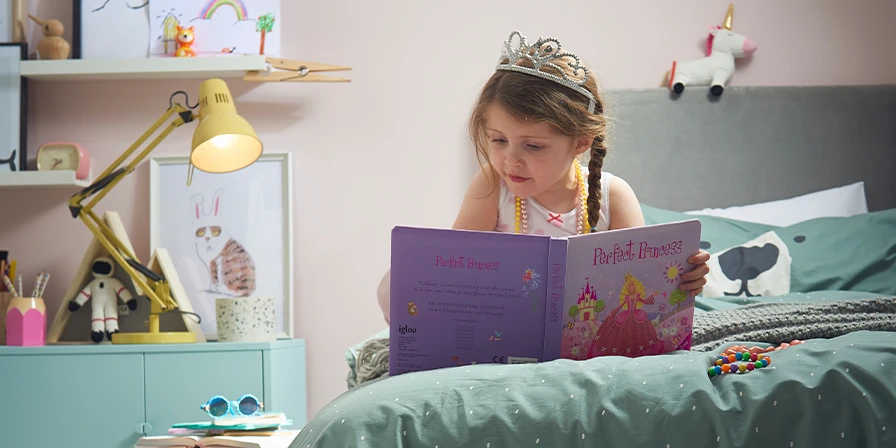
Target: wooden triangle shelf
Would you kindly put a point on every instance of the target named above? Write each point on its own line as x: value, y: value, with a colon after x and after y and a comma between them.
x: 160, y: 263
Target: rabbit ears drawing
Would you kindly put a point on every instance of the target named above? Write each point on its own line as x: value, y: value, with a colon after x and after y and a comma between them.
x: 200, y: 216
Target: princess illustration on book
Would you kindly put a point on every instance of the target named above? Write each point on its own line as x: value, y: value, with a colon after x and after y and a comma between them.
x: 628, y: 331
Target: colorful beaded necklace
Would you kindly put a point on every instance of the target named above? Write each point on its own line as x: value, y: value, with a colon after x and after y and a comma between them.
x: 728, y: 363
x: 752, y: 358
x: 522, y: 218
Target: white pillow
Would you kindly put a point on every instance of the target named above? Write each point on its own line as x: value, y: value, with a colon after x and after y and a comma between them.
x: 760, y: 267
x: 844, y: 201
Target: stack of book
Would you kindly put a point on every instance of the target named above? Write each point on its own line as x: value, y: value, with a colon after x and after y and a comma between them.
x: 261, y: 431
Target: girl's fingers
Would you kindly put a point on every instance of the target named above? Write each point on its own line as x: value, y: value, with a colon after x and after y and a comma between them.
x: 699, y: 272
x: 690, y: 286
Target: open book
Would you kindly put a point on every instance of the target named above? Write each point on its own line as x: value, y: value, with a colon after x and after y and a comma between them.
x: 279, y: 439
x: 462, y: 297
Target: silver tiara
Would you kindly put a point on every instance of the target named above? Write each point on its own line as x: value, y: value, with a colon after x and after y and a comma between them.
x: 541, y: 53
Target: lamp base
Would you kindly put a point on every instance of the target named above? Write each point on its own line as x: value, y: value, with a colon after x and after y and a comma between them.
x: 174, y: 337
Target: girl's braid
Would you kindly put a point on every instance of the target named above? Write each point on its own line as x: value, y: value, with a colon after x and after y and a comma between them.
x: 595, y: 165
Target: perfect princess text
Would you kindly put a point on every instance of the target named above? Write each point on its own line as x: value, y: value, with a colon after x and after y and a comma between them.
x: 631, y: 251
x: 469, y: 263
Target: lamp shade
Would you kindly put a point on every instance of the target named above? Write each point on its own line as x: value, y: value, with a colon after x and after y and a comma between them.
x: 223, y: 140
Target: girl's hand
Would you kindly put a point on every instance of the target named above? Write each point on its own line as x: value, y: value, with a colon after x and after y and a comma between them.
x: 693, y: 281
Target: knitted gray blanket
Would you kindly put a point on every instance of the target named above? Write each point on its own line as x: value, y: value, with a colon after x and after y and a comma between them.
x: 771, y: 323
x: 774, y: 323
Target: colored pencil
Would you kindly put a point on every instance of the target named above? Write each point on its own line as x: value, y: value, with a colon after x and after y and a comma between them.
x: 10, y: 286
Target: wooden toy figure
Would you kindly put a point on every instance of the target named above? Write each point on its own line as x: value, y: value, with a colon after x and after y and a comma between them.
x: 53, y: 45
x: 185, y: 39
x: 104, y: 289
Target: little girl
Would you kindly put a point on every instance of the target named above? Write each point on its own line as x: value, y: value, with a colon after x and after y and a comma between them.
x: 535, y: 116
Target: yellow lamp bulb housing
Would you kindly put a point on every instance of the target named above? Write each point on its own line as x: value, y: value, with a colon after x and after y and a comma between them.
x: 223, y: 141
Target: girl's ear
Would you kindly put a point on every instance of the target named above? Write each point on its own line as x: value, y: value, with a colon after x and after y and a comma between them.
x: 583, y: 144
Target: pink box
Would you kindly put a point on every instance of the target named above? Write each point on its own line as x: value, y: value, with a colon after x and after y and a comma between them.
x: 26, y: 321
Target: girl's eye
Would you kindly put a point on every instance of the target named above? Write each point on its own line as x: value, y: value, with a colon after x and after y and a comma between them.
x: 535, y: 147
x: 499, y: 140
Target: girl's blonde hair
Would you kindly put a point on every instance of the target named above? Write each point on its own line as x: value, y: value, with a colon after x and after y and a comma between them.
x: 528, y: 97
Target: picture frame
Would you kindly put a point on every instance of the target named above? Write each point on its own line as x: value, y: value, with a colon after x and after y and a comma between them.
x: 12, y: 18
x: 229, y: 235
x: 90, y: 29
x: 6, y: 21
x: 13, y: 108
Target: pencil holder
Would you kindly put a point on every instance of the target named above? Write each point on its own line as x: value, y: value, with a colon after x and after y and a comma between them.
x: 245, y: 319
x: 26, y: 321
x: 5, y: 297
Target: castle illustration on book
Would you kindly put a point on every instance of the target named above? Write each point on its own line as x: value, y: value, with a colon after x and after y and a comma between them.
x: 462, y: 297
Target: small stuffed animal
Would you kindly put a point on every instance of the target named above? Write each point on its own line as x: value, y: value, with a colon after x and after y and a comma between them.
x: 716, y: 69
x: 185, y: 40
x: 104, y: 289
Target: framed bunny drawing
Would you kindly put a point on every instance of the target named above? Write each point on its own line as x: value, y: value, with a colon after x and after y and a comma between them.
x: 229, y: 235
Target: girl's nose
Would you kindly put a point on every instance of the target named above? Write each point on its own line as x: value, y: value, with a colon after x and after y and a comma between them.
x: 513, y: 156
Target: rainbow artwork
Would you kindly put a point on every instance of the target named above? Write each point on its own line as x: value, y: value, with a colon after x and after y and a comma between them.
x: 222, y: 27
x: 209, y: 9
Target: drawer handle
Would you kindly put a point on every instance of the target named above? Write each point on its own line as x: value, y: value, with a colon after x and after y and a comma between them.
x: 144, y: 428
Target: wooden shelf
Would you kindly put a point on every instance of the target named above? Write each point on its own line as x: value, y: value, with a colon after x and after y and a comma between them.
x: 33, y: 179
x: 142, y: 69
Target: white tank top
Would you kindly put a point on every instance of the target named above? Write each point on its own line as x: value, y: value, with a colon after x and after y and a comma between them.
x: 545, y: 222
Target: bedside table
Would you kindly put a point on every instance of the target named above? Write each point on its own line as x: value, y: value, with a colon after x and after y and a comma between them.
x: 111, y: 395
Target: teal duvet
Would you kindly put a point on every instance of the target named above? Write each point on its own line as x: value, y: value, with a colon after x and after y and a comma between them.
x: 838, y: 392
x: 838, y: 389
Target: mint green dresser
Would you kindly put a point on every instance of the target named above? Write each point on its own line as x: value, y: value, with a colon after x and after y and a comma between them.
x: 108, y: 396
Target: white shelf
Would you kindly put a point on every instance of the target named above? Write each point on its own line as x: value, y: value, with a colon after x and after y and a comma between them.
x: 234, y: 66
x: 58, y: 178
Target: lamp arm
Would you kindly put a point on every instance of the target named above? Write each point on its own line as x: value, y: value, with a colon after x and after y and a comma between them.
x: 156, y: 288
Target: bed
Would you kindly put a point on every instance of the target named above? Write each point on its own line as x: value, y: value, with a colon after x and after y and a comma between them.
x: 802, y: 174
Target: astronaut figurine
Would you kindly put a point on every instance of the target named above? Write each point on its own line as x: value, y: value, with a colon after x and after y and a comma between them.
x: 104, y: 289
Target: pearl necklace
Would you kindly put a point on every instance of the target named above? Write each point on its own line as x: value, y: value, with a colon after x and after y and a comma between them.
x: 522, y: 218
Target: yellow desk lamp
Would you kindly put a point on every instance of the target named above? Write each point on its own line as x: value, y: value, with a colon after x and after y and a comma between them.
x: 222, y: 142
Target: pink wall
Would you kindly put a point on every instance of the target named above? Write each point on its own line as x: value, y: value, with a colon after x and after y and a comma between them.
x: 366, y: 152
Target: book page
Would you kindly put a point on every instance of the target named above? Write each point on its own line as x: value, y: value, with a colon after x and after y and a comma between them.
x: 171, y: 441
x: 462, y: 298
x: 280, y: 439
x: 622, y: 294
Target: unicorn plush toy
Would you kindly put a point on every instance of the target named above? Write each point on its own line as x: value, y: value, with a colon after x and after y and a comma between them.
x: 716, y: 69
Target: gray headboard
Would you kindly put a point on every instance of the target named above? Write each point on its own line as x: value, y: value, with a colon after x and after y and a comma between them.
x: 752, y: 144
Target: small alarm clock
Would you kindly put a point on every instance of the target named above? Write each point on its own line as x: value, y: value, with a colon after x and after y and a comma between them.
x: 64, y: 156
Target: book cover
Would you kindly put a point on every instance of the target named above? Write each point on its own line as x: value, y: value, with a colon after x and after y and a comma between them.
x: 463, y: 297
x: 622, y: 294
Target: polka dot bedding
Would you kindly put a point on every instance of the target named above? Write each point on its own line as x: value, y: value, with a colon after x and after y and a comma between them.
x: 832, y: 392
